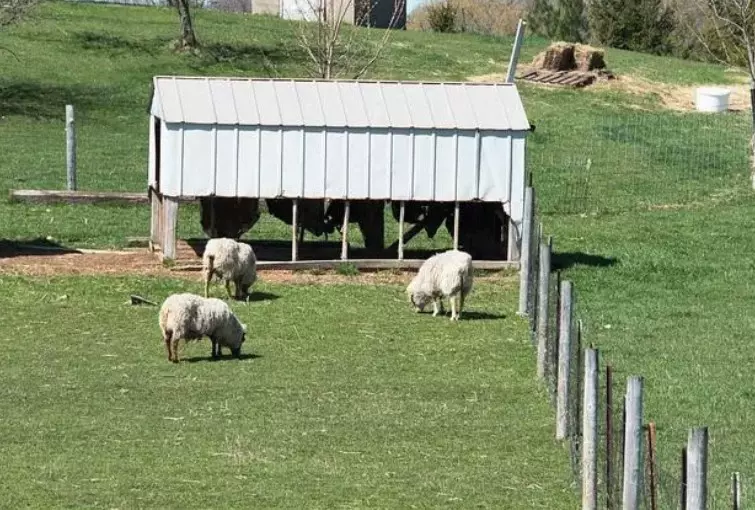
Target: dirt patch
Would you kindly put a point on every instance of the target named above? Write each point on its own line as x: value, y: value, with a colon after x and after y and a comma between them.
x: 673, y: 97
x: 142, y: 262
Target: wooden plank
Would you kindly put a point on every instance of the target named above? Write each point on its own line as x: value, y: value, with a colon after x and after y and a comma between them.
x: 170, y: 219
x: 39, y: 196
x: 485, y: 265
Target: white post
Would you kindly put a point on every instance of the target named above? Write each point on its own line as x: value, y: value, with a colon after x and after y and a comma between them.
x: 543, y: 307
x: 564, y: 361
x: 401, y: 213
x: 456, y: 226
x: 526, y: 250
x: 294, y: 230
x: 515, y: 51
x: 697, y: 469
x: 736, y: 492
x: 170, y: 218
x: 345, y: 232
x: 70, y: 148
x: 633, y: 445
x: 590, y: 432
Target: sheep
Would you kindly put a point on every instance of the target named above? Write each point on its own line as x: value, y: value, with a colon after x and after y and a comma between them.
x: 231, y: 261
x: 447, y: 274
x: 191, y: 317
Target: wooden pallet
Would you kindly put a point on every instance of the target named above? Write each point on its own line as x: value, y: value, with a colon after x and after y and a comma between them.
x: 568, y: 78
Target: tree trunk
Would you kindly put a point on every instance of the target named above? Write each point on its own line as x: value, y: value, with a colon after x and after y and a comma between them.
x: 188, y: 38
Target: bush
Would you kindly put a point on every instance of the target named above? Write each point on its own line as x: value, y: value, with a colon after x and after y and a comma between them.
x: 485, y: 17
x: 563, y: 20
x: 637, y: 25
x: 441, y: 17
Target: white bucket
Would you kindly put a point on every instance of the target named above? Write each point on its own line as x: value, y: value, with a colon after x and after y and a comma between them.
x: 712, y: 99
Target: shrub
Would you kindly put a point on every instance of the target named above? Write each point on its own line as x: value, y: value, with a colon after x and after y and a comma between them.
x: 441, y: 16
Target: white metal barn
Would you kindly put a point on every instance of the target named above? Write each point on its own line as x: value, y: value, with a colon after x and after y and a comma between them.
x: 338, y: 140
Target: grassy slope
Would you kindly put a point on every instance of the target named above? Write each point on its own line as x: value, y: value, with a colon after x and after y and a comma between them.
x: 673, y: 300
x: 372, y: 413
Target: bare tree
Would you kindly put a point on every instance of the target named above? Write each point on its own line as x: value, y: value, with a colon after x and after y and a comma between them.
x: 13, y: 11
x: 334, y: 49
x: 188, y: 38
x: 730, y: 25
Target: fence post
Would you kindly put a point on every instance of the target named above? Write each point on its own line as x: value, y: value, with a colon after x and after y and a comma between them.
x: 70, y: 148
x: 564, y: 361
x: 609, y: 437
x: 590, y: 432
x: 736, y: 492
x: 683, y: 485
x: 633, y: 445
x: 515, y: 51
x: 652, y: 466
x: 543, y: 305
x: 697, y: 469
x: 526, y: 251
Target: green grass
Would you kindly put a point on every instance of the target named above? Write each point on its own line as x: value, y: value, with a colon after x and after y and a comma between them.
x: 388, y: 409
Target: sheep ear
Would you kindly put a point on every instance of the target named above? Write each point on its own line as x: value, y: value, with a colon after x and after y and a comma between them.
x: 243, y: 326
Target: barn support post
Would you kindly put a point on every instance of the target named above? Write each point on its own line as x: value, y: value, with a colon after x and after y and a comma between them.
x: 70, y: 148
x: 294, y: 230
x: 456, y: 226
x: 155, y: 231
x: 345, y: 231
x: 402, y: 211
x: 170, y: 218
x: 697, y: 469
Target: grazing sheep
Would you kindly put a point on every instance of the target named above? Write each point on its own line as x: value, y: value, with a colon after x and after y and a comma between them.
x: 447, y: 274
x: 191, y: 317
x: 231, y: 261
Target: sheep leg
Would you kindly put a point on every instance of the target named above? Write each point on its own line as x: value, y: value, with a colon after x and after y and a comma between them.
x: 228, y: 288
x: 454, y: 315
x: 461, y: 303
x: 166, y: 337
x: 174, y: 343
x: 207, y: 278
x: 436, y: 309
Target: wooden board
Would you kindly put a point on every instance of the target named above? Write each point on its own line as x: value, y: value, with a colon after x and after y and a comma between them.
x: 358, y: 263
x: 568, y: 78
x: 82, y: 197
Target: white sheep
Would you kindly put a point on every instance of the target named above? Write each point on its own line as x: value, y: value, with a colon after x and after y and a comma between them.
x: 447, y: 274
x: 230, y: 261
x: 191, y: 317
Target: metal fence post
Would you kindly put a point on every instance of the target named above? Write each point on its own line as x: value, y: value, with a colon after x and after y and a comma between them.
x: 515, y: 51
x: 543, y: 305
x: 736, y: 492
x: 70, y: 148
x: 526, y: 251
x: 564, y: 361
x: 697, y: 469
x: 633, y: 445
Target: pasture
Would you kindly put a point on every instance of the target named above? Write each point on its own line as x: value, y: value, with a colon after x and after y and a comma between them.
x: 414, y: 412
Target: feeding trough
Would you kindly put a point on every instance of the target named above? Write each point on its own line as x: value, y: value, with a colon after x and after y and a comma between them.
x: 712, y: 99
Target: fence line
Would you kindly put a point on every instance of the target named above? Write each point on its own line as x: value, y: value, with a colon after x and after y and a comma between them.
x: 612, y: 470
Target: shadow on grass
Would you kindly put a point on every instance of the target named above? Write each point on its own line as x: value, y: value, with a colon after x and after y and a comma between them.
x: 47, y: 101
x: 248, y: 56
x: 224, y: 357
x: 567, y: 260
x: 115, y: 45
x: 262, y: 296
x: 481, y: 316
x: 39, y: 246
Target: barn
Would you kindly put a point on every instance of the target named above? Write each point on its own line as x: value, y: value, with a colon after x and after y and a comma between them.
x: 373, y: 13
x: 323, y: 154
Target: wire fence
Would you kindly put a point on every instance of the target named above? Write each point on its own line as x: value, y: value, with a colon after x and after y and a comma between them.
x: 617, y: 442
x: 633, y: 160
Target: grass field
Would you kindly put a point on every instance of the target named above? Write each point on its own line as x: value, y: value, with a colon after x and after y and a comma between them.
x: 677, y: 219
x: 351, y: 400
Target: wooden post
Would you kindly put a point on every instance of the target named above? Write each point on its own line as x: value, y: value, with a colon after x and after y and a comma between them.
x: 683, y: 485
x: 633, y: 445
x: 526, y: 250
x: 609, y: 437
x: 70, y: 148
x: 736, y: 492
x: 401, y: 213
x: 295, y: 230
x: 515, y: 51
x: 543, y: 308
x: 155, y: 233
x: 345, y: 232
x: 456, y: 226
x: 697, y: 469
x: 590, y: 432
x: 170, y: 218
x: 652, y: 467
x: 564, y: 361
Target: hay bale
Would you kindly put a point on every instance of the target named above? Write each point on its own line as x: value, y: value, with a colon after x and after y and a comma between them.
x: 589, y: 58
x: 557, y: 57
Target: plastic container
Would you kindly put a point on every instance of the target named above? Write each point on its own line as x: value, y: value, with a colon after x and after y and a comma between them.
x: 712, y: 99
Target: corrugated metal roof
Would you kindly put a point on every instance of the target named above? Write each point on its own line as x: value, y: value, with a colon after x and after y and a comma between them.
x: 319, y: 103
